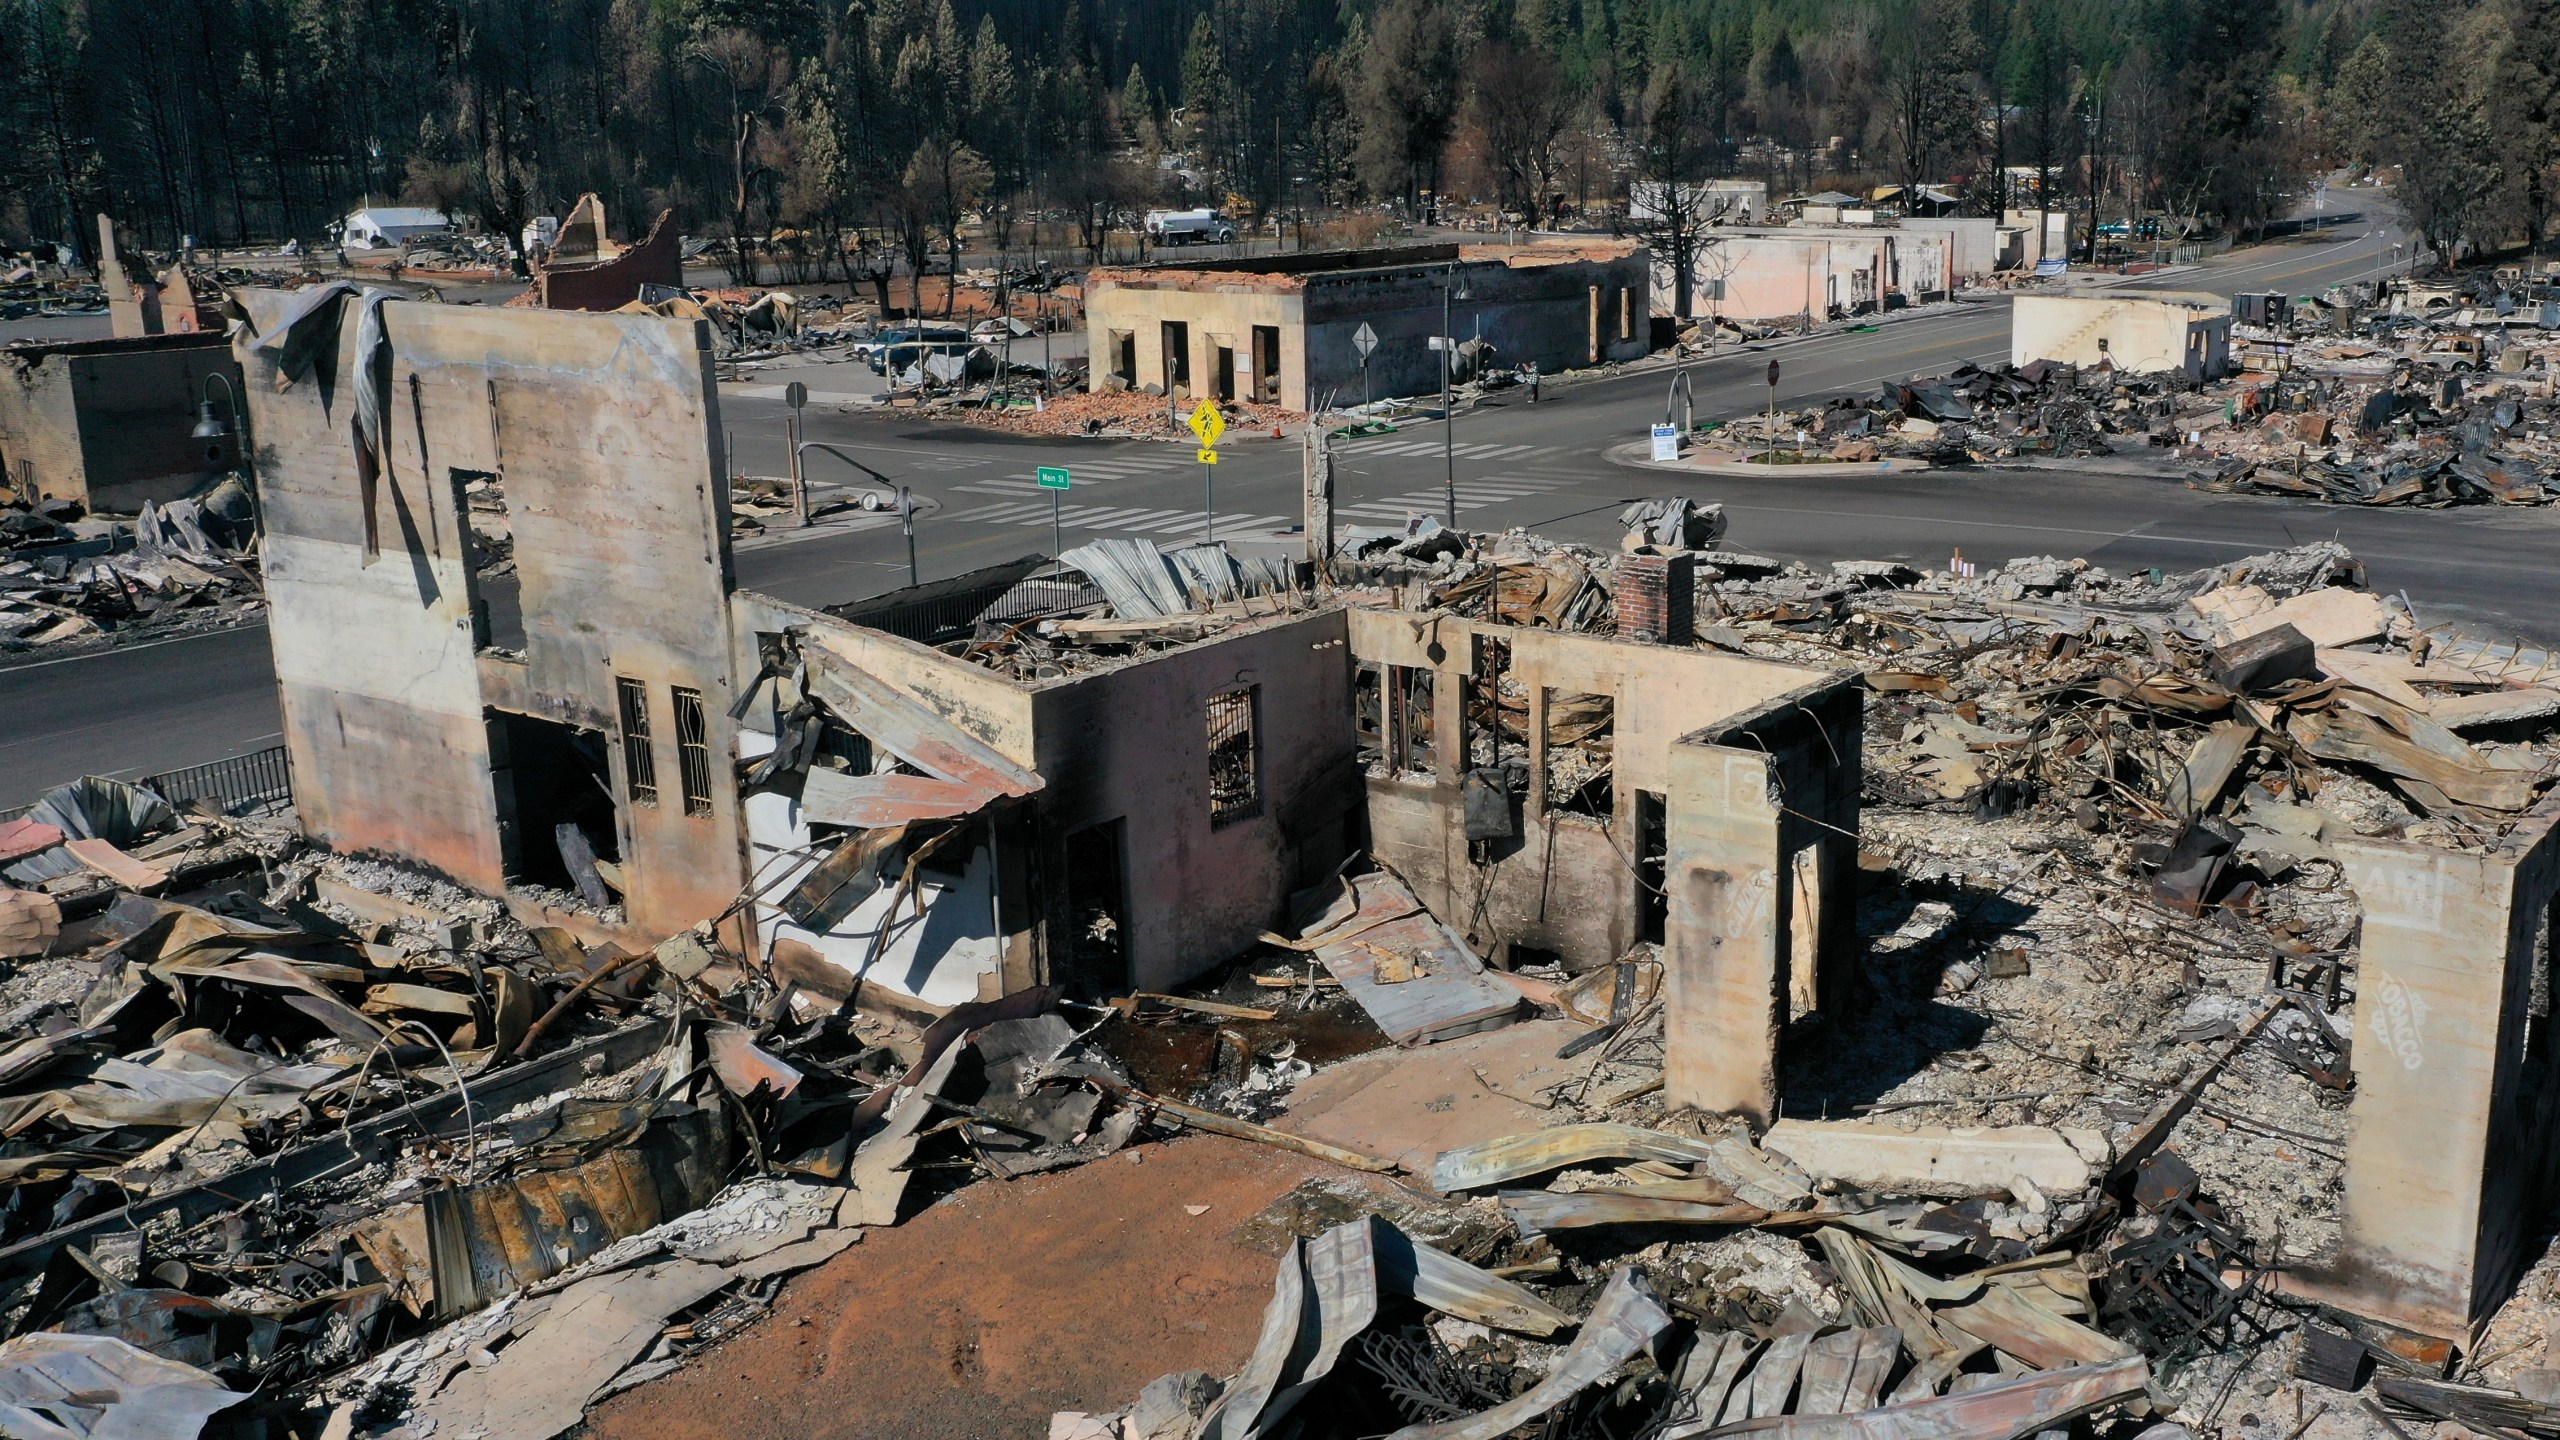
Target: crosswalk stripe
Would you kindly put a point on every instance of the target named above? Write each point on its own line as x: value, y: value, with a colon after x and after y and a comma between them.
x: 996, y: 513
x: 1248, y: 525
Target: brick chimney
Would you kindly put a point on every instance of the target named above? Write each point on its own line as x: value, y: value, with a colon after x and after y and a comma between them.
x: 1657, y: 597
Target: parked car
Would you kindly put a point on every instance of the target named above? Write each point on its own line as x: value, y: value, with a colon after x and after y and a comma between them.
x: 882, y: 339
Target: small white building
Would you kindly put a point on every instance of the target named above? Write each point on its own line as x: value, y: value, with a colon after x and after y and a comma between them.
x: 383, y: 227
x: 2145, y: 333
x: 1716, y: 201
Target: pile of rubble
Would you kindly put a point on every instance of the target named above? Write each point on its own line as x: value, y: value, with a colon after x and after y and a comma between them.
x: 2100, y: 1072
x: 67, y: 577
x: 311, y: 1143
x: 1974, y: 413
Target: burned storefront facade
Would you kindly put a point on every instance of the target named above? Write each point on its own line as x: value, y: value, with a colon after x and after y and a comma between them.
x: 1286, y: 329
x: 596, y: 749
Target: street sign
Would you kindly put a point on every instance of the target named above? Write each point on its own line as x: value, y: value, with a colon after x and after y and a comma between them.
x: 1052, y: 477
x: 1208, y: 456
x: 1364, y: 339
x: 1666, y: 442
x: 1207, y: 423
x: 795, y: 394
x: 1773, y: 372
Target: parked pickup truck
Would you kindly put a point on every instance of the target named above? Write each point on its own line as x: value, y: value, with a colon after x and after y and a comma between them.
x: 2453, y: 352
x: 1190, y: 227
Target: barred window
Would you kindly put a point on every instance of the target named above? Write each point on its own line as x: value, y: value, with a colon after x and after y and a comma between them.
x: 693, y: 751
x: 1235, y: 758
x: 639, y: 762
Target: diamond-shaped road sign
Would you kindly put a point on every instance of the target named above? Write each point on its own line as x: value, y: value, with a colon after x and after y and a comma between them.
x: 1364, y: 339
x: 1207, y: 423
x: 1051, y: 477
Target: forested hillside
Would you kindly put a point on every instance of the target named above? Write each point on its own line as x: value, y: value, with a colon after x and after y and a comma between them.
x: 234, y: 120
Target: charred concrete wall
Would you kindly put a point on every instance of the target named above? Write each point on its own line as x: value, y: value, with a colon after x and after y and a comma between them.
x: 111, y: 423
x: 1130, y: 764
x: 1571, y: 879
x: 1132, y: 745
x: 2454, y: 1135
x: 1761, y: 877
x: 2147, y: 334
x: 1125, y: 756
x: 602, y: 432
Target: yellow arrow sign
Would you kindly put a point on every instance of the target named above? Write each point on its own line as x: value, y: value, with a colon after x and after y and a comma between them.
x: 1208, y: 456
x: 1207, y: 423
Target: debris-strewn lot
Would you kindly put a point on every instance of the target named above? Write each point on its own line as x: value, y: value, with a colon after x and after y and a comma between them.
x: 71, y: 580
x: 2409, y: 395
x: 300, y: 1144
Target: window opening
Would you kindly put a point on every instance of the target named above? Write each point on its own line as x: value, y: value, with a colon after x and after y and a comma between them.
x: 1580, y: 752
x: 1235, y: 781
x: 1414, y: 717
x: 639, y: 762
x: 489, y: 551
x: 1497, y: 710
x: 1653, y: 842
x: 693, y: 751
x: 1369, y: 713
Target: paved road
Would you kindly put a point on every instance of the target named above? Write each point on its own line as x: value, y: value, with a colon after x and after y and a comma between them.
x: 156, y: 708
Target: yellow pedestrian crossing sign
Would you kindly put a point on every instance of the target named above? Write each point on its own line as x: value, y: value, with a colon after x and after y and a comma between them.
x: 1207, y: 423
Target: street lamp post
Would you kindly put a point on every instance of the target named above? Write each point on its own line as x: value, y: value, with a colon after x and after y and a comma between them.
x: 1448, y: 345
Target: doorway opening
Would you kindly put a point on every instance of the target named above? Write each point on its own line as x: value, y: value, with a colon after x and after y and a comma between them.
x: 1266, y: 364
x: 1653, y: 842
x: 1226, y: 371
x: 1177, y: 358
x: 553, y: 787
x: 1097, y: 958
